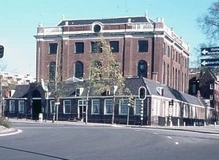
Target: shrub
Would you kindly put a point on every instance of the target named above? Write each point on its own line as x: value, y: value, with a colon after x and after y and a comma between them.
x: 4, y: 122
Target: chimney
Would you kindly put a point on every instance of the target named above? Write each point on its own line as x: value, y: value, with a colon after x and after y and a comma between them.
x: 154, y: 76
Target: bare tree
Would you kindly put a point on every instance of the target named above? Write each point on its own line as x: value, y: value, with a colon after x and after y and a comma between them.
x: 209, y: 23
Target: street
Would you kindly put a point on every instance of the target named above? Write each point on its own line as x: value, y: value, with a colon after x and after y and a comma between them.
x: 74, y: 142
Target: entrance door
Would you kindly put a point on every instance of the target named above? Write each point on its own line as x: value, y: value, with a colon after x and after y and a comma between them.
x: 36, y: 109
x: 81, y: 109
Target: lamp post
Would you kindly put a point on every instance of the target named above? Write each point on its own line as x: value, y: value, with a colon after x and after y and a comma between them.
x: 170, y: 111
x: 86, y: 113
x: 129, y: 104
x: 114, y: 98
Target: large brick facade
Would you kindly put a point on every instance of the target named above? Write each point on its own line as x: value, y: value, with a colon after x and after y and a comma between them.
x: 166, y: 56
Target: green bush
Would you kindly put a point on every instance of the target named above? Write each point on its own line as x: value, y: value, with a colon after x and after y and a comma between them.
x: 4, y: 122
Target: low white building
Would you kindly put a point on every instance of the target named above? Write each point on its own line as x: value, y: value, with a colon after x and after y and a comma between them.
x: 17, y: 79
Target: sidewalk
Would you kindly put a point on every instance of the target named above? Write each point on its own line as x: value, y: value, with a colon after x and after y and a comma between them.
x: 209, y: 129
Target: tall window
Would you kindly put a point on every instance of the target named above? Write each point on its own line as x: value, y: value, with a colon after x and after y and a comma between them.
x: 123, y: 106
x: 67, y: 107
x: 164, y: 48
x: 108, y: 106
x: 53, y: 48
x: 96, y: 47
x: 21, y: 106
x: 52, y: 71
x: 142, y: 68
x: 114, y: 46
x: 79, y: 69
x: 164, y: 72
x: 168, y: 52
x: 95, y: 106
x: 168, y: 74
x: 79, y: 47
x: 52, y: 106
x: 12, y: 106
x: 142, y: 46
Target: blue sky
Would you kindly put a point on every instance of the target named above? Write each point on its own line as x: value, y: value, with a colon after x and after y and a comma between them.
x: 20, y: 18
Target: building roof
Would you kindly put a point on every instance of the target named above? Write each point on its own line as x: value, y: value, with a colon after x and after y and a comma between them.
x: 171, y: 93
x: 119, y: 20
x: 21, y: 91
x: 69, y: 90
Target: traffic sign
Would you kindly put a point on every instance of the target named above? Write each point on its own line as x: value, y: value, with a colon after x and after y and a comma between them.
x: 209, y: 62
x: 1, y: 51
x: 210, y: 51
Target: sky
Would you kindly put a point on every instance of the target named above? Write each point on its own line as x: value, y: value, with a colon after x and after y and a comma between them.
x: 19, y: 20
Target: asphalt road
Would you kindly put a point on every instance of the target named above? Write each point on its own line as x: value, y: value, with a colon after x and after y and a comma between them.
x: 69, y: 142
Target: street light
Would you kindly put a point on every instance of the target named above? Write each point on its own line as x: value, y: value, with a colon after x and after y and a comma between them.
x: 170, y: 111
x: 114, y: 92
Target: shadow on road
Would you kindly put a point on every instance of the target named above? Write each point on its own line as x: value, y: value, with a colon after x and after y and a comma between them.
x: 41, y: 154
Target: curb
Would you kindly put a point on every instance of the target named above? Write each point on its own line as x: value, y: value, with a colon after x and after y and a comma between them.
x: 185, y: 129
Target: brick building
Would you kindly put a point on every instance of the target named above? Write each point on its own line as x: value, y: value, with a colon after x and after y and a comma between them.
x: 145, y: 48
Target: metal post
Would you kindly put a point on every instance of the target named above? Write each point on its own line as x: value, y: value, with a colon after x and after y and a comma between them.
x: 142, y: 111
x: 57, y: 112
x: 53, y: 117
x: 113, y: 109
x: 128, y: 113
x: 86, y: 116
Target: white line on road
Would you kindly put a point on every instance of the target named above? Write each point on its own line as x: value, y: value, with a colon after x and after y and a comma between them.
x: 169, y: 137
x: 177, y: 143
x: 9, y: 134
x: 155, y: 133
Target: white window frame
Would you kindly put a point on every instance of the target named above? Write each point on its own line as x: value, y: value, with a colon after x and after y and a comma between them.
x: 52, y: 106
x: 137, y: 108
x: 211, y: 86
x: 123, y: 106
x: 66, y: 105
x: 95, y: 107
x: 108, y: 103
x: 21, y: 106
x: 12, y: 106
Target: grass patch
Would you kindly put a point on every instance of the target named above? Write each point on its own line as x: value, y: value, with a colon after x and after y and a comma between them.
x: 4, y: 122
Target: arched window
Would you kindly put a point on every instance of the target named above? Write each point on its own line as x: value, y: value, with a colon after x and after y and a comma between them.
x: 52, y: 71
x: 79, y: 69
x: 142, y: 68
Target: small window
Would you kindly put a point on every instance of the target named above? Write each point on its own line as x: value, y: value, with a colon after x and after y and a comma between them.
x: 96, y: 47
x: 108, y: 106
x: 143, y: 46
x: 97, y: 28
x: 53, y: 48
x: 52, y: 106
x: 12, y: 106
x: 21, y: 106
x: 79, y: 47
x: 95, y: 106
x: 114, y: 46
x: 123, y: 107
x: 67, y: 107
x: 211, y: 86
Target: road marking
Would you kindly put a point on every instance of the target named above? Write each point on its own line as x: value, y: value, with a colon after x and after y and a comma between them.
x: 169, y: 137
x: 177, y: 143
x: 13, y: 133
x: 155, y: 133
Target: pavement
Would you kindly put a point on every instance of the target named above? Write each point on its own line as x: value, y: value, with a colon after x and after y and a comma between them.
x: 208, y: 129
